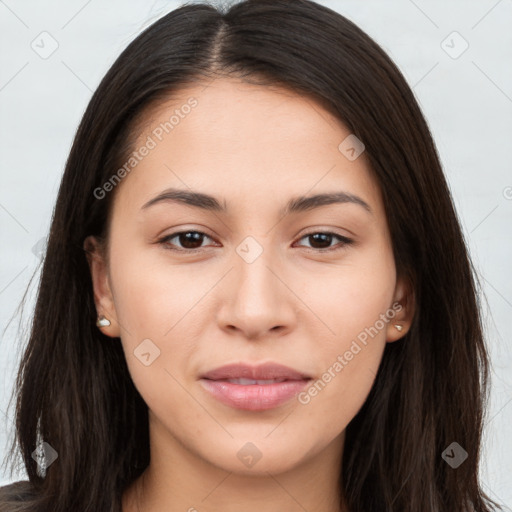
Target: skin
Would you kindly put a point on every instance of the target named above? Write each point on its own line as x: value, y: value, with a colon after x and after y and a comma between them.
x: 254, y: 147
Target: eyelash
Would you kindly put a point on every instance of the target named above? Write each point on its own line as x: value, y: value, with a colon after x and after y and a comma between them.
x: 345, y: 241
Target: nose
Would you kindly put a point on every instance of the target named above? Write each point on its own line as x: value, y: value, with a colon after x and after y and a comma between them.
x: 257, y: 301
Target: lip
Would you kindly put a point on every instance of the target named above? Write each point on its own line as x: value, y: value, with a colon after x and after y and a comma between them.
x: 264, y: 371
x: 254, y: 397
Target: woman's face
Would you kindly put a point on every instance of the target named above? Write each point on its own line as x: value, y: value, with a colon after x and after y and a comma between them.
x: 312, y: 287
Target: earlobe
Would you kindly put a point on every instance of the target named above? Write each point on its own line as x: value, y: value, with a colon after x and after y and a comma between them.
x: 103, y: 299
x: 403, y: 305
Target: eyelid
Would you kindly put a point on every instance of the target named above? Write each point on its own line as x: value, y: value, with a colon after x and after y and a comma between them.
x: 164, y: 240
x: 344, y: 240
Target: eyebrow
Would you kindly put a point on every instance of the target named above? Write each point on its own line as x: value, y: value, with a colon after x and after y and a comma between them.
x: 295, y: 204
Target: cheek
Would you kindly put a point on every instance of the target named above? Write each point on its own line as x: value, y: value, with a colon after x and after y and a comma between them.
x: 355, y: 305
x: 350, y: 297
x: 154, y: 303
x: 342, y: 386
x: 151, y: 295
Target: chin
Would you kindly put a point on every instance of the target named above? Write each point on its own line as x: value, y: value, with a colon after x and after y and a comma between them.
x: 258, y: 456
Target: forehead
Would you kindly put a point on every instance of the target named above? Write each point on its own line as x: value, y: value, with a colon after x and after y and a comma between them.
x: 244, y: 143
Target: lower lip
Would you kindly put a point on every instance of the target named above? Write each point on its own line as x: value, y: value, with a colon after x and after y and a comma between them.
x: 254, y: 397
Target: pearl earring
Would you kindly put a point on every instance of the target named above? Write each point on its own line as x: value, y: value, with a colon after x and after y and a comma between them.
x: 399, y: 327
x: 102, y: 321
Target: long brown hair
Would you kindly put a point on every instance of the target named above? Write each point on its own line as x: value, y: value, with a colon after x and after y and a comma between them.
x: 73, y: 389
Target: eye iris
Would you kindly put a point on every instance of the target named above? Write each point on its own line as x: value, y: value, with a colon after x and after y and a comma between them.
x: 190, y: 237
x: 322, y: 237
x: 188, y: 240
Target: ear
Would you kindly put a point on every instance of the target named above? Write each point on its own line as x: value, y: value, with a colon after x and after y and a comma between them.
x: 103, y: 298
x: 404, y: 306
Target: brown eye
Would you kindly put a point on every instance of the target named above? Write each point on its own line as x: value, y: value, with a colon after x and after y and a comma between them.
x: 189, y: 240
x: 321, y: 241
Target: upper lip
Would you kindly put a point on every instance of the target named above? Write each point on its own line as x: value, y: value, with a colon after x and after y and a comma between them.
x: 266, y: 371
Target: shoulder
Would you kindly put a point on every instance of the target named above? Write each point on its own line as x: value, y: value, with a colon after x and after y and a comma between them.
x: 14, y: 495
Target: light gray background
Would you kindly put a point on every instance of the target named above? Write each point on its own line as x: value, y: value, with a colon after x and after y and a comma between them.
x: 466, y: 98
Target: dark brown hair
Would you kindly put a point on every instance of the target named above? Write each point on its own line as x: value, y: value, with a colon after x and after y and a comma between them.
x: 73, y: 389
